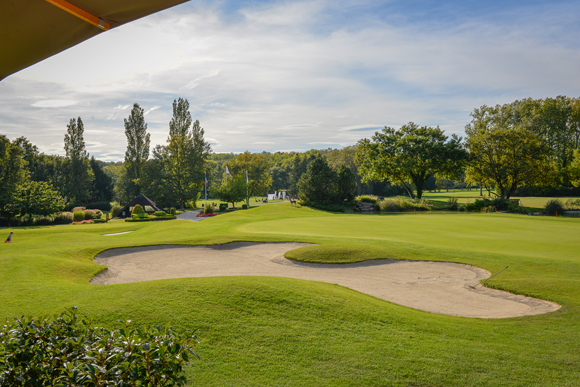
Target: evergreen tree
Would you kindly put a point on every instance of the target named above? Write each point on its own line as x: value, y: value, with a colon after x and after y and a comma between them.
x: 78, y: 173
x: 12, y: 173
x: 185, y: 154
x: 345, y: 184
x: 102, y: 185
x: 318, y: 184
x: 137, y: 152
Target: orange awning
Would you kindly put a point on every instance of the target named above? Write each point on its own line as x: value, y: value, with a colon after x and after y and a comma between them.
x: 33, y: 30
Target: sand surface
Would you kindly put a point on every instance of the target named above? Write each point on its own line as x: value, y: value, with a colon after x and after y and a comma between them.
x: 438, y: 287
x: 118, y: 233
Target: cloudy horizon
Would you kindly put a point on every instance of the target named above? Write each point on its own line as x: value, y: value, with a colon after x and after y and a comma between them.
x: 297, y: 75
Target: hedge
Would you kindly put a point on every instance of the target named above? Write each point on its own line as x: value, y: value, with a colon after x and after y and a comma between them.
x: 67, y: 350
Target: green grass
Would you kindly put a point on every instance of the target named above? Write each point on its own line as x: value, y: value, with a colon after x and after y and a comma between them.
x: 267, y: 331
x: 535, y: 202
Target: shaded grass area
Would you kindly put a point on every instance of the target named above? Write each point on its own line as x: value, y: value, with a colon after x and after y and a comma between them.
x: 279, y: 331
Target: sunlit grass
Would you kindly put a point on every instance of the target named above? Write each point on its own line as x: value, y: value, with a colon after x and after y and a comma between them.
x: 277, y: 331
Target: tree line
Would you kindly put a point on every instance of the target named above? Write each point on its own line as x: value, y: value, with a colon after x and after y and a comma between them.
x: 530, y: 144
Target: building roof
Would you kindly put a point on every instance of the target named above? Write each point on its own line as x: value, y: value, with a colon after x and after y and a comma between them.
x: 33, y: 30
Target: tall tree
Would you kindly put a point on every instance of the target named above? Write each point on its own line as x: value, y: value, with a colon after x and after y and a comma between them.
x: 318, y: 184
x: 258, y: 167
x: 137, y: 152
x: 505, y: 156
x: 185, y: 156
x: 38, y: 198
x: 78, y: 175
x: 13, y: 172
x: 410, y: 156
x: 233, y: 191
x: 345, y: 184
x: 102, y: 185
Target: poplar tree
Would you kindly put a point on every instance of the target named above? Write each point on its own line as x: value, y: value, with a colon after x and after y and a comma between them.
x: 137, y: 153
x: 185, y: 155
x: 78, y: 176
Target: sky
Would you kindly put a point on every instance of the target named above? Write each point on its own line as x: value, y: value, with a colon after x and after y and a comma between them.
x: 297, y: 75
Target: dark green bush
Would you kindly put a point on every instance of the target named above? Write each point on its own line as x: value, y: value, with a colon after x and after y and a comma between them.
x: 554, y: 207
x: 93, y: 214
x: 101, y: 220
x: 144, y: 219
x: 43, y: 221
x: 68, y: 350
x: 64, y: 218
x: 486, y: 205
x: 452, y: 204
x: 332, y: 207
x: 172, y: 210
x: 244, y: 206
x: 103, y: 206
x: 115, y: 209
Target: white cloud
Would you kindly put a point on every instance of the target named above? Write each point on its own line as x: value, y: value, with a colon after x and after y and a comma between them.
x: 151, y: 109
x: 281, y: 77
x: 53, y: 103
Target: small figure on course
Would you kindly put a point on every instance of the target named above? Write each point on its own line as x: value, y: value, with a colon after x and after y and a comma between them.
x: 9, y: 239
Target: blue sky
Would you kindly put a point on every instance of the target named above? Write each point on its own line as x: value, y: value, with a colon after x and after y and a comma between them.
x: 297, y: 75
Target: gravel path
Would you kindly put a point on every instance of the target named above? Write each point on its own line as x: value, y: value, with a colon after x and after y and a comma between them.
x: 438, y: 287
x: 190, y: 215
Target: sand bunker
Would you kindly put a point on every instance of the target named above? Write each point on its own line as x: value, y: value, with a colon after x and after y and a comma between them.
x: 437, y: 287
x: 118, y: 233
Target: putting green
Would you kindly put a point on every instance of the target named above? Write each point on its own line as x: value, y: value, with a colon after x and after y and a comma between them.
x: 493, y: 233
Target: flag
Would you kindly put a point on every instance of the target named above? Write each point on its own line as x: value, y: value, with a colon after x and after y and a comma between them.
x: 228, y: 171
x: 247, y: 181
x: 206, y: 179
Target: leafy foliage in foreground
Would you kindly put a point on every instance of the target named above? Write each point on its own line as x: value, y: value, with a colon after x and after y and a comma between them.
x: 69, y: 350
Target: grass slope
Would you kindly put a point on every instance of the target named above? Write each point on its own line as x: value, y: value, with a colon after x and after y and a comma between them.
x: 276, y: 331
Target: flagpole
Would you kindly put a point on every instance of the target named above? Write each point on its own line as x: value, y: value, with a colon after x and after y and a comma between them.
x: 247, y: 190
x: 206, y: 190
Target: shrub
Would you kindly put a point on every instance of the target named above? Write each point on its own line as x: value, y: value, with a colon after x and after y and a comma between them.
x: 64, y: 218
x: 78, y: 215
x: 79, y: 209
x: 572, y: 204
x: 103, y: 206
x: 478, y: 205
x: 160, y: 213
x: 244, y: 206
x: 93, y: 214
x: 137, y: 210
x: 43, y: 221
x: 333, y: 207
x: 208, y: 209
x: 554, y: 207
x: 389, y: 205
x: 115, y: 209
x: 101, y: 220
x: 367, y: 199
x: 143, y: 219
x: 401, y: 204
x: 67, y: 350
x: 452, y: 204
x: 172, y: 210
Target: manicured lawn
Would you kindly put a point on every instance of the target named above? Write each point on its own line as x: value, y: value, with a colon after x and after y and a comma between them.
x: 266, y: 331
x: 470, y: 196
